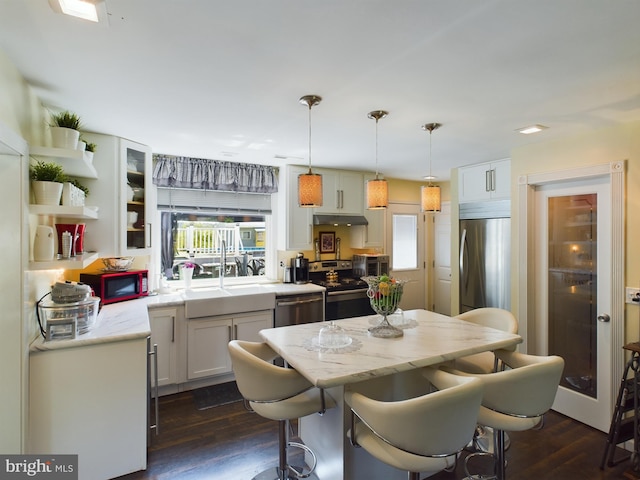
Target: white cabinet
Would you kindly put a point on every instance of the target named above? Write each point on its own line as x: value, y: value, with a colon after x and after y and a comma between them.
x: 485, y: 181
x: 207, y: 340
x: 126, y: 223
x: 342, y: 192
x: 371, y: 235
x: 164, y: 333
x: 91, y: 401
x: 297, y: 231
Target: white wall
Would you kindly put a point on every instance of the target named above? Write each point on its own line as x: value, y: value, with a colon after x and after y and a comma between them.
x: 21, y: 118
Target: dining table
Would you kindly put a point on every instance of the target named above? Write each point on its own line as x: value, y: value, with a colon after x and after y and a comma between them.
x: 387, y: 369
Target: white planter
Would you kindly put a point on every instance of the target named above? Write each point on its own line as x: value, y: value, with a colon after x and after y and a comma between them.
x: 47, y: 193
x: 82, y: 146
x: 88, y: 156
x: 72, y: 195
x: 62, y: 137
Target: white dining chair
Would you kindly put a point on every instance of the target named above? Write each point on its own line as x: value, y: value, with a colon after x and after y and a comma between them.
x: 419, y: 434
x: 277, y: 393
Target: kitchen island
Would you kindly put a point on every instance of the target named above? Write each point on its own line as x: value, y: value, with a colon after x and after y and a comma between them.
x: 387, y: 369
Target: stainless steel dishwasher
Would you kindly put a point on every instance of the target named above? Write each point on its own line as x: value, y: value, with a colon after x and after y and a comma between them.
x: 293, y: 309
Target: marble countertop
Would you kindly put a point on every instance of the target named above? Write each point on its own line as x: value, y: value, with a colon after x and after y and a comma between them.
x: 129, y: 320
x: 429, y: 338
x: 116, y: 322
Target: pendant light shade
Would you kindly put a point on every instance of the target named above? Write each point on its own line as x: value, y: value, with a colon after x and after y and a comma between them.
x: 377, y: 189
x: 430, y: 194
x: 310, y: 184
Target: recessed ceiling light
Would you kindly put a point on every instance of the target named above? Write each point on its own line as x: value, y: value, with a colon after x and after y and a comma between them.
x: 92, y: 10
x: 531, y: 129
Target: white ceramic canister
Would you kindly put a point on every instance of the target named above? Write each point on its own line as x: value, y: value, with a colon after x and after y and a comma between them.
x: 43, y: 247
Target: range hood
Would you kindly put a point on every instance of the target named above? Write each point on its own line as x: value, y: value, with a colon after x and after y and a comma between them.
x: 339, y: 220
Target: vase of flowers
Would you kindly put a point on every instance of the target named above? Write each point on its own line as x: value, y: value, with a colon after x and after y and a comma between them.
x: 186, y: 273
x: 384, y: 295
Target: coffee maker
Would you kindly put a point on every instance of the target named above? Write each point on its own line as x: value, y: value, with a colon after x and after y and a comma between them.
x: 300, y: 269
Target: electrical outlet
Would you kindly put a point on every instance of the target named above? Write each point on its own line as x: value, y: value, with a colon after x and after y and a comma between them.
x: 632, y: 295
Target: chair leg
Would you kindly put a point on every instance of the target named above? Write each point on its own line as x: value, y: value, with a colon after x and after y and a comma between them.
x: 499, y: 453
x: 413, y: 476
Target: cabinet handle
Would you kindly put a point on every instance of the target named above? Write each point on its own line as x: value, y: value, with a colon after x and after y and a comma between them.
x: 229, y: 332
x: 341, y: 199
x: 493, y: 180
x: 173, y: 329
x: 156, y: 403
x: 337, y: 198
x: 487, y: 180
x: 235, y: 332
x: 148, y: 234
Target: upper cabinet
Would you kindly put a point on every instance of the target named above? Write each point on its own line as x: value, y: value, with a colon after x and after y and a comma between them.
x: 125, y: 195
x: 342, y: 192
x: 297, y: 231
x: 485, y: 181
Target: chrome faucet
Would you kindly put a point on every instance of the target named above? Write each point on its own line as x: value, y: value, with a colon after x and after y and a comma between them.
x: 223, y: 261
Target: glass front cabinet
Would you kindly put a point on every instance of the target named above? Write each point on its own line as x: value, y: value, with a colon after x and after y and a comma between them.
x: 125, y: 194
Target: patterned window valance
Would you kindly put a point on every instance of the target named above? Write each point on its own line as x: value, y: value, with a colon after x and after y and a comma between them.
x: 202, y: 174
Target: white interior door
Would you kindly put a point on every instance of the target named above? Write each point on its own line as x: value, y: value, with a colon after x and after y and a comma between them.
x: 442, y: 261
x: 573, y: 293
x: 406, y: 249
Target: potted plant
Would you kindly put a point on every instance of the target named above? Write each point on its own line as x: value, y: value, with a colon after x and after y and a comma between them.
x: 90, y: 149
x: 47, y: 180
x: 65, y: 130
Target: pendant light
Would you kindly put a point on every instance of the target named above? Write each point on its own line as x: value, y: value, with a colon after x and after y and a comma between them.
x: 431, y: 193
x: 310, y: 184
x: 377, y: 188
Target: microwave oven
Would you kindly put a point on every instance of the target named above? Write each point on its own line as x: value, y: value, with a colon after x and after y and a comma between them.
x: 114, y: 287
x: 366, y: 265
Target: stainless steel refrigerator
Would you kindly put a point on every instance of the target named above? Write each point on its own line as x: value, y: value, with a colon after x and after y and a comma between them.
x: 485, y: 249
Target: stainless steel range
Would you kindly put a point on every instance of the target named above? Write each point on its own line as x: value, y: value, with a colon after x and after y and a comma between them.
x: 346, y: 294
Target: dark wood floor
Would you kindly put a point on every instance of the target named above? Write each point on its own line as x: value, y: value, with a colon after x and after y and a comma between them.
x: 227, y: 442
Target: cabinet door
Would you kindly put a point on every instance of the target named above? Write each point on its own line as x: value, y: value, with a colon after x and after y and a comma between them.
x: 501, y: 179
x: 207, y: 352
x: 342, y: 192
x: 248, y: 327
x: 351, y: 193
x: 474, y: 183
x: 330, y: 192
x: 136, y: 220
x: 299, y: 227
x: 163, y: 333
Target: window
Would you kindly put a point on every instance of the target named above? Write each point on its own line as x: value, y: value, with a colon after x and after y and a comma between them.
x: 206, y: 239
x: 405, y: 242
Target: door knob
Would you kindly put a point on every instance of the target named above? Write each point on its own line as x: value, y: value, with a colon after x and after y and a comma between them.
x: 603, y: 317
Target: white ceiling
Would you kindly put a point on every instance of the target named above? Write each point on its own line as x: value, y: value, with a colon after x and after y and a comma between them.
x: 221, y: 79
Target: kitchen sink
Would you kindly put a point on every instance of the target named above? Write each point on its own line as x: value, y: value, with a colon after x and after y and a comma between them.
x: 208, y: 302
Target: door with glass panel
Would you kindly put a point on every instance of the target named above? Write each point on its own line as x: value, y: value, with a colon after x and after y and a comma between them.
x: 573, y: 270
x: 405, y: 242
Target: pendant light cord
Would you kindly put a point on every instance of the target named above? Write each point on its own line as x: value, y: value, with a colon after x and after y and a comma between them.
x: 309, y: 137
x: 430, y: 175
x: 377, y: 148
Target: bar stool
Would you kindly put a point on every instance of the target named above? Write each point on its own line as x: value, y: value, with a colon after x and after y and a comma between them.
x: 486, y: 362
x: 419, y: 434
x: 497, y: 318
x: 276, y: 393
x: 515, y: 399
